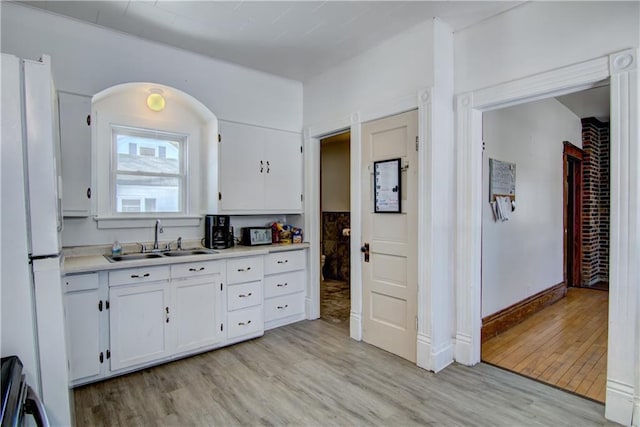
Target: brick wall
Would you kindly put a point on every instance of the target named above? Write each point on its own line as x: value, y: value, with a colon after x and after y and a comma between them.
x: 595, y: 202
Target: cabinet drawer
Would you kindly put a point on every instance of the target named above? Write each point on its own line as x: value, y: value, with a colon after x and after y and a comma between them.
x: 244, y: 295
x: 241, y: 270
x: 288, y: 305
x: 283, y: 284
x: 80, y: 282
x: 138, y: 275
x: 193, y: 269
x: 244, y: 322
x: 280, y: 262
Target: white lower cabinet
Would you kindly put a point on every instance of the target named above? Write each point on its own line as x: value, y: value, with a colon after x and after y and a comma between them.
x: 284, y: 288
x: 139, y: 317
x: 125, y: 319
x: 197, y: 304
x: 244, y: 298
x: 86, y: 317
x: 181, y: 313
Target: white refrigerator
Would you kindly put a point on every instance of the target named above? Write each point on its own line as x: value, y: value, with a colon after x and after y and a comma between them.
x: 33, y: 326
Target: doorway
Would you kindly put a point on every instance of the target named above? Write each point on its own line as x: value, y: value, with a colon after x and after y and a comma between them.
x: 335, y: 230
x: 532, y: 324
x: 572, y: 195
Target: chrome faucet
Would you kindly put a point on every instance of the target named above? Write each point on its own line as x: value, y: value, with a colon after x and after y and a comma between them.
x: 179, y: 243
x: 159, y: 229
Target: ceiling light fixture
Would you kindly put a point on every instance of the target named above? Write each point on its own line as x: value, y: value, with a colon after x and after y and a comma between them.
x: 155, y: 100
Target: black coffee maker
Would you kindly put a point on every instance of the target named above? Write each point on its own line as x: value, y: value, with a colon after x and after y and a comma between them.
x: 218, y: 232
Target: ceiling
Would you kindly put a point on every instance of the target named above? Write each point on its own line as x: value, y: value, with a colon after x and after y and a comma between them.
x: 589, y: 103
x: 294, y: 39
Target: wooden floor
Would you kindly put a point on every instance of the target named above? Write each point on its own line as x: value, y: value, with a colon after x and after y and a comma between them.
x: 564, y: 345
x: 311, y: 374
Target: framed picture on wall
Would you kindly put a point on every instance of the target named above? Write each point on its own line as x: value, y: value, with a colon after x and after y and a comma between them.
x: 387, y: 182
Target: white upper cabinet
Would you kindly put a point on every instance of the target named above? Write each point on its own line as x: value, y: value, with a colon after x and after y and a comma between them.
x: 75, y: 141
x: 260, y: 170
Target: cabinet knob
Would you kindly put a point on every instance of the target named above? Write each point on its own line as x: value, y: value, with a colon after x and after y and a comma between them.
x: 283, y: 262
x: 244, y: 323
x: 282, y: 285
x: 282, y: 307
x: 196, y: 269
x: 245, y: 296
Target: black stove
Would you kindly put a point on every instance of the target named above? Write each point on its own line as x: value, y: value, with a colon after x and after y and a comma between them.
x: 18, y: 398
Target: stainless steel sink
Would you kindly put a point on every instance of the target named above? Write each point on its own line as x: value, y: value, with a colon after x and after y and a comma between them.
x: 152, y: 255
x: 131, y: 257
x: 185, y: 252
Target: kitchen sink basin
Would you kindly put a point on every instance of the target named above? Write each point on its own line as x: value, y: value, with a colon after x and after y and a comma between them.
x: 131, y: 257
x: 190, y: 252
x: 152, y: 255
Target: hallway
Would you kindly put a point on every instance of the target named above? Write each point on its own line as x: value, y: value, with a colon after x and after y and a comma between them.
x: 564, y: 345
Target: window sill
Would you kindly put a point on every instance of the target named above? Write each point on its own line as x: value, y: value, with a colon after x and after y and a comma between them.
x: 110, y: 222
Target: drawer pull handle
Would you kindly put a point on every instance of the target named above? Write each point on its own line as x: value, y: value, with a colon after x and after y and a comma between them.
x: 244, y: 269
x: 137, y: 276
x: 283, y: 262
x: 196, y: 269
x: 245, y: 296
x: 282, y: 307
x: 282, y: 285
x: 244, y: 323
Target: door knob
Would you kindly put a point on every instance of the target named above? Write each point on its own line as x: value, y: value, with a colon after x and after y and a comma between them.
x: 365, y: 250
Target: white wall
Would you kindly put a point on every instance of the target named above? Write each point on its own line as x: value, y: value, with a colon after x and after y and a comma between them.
x: 87, y: 59
x: 396, y: 68
x: 335, y: 173
x: 540, y: 36
x: 524, y: 255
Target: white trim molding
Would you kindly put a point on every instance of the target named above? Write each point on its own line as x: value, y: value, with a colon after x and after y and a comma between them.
x: 355, y: 321
x: 311, y: 153
x: 623, y: 382
x: 624, y: 238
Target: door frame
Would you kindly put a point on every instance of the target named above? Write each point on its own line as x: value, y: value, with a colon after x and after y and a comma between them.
x: 623, y: 377
x: 435, y: 247
x: 571, y: 153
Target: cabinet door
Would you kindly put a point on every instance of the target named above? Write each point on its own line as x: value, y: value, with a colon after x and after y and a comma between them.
x: 242, y: 167
x: 139, y: 317
x: 197, y: 312
x: 283, y: 181
x: 83, y: 333
x: 75, y: 141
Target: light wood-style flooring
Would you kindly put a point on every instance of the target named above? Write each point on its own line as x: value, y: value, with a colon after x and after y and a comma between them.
x: 312, y: 374
x: 564, y: 344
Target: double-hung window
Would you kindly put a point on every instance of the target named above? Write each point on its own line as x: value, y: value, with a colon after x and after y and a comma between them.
x: 149, y: 171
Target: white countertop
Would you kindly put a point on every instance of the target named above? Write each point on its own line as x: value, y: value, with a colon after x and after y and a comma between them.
x: 97, y: 262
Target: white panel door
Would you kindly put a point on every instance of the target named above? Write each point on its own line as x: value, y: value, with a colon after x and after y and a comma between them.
x: 196, y: 311
x: 83, y: 333
x: 139, y: 316
x: 390, y: 277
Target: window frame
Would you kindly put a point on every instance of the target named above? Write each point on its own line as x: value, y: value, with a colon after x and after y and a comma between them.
x: 183, y: 176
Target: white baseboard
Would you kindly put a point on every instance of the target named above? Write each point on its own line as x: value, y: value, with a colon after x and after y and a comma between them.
x: 429, y: 359
x: 619, y: 403
x: 355, y: 326
x: 463, y: 351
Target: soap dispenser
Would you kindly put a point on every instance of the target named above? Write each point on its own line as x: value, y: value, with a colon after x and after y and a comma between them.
x: 116, y: 249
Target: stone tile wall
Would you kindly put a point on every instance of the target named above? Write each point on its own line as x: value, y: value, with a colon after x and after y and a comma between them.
x: 335, y: 246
